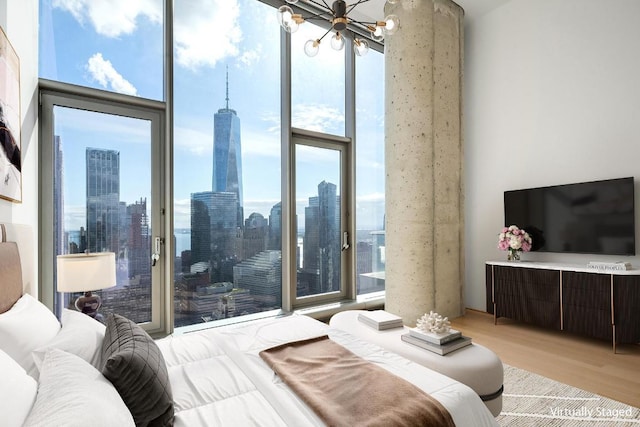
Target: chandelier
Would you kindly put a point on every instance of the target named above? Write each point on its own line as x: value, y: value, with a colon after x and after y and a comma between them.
x: 338, y: 17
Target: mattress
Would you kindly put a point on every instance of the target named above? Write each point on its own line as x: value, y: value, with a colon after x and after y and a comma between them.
x: 218, y: 378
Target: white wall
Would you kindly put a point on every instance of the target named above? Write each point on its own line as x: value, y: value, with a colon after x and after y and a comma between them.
x: 552, y: 96
x: 19, y: 20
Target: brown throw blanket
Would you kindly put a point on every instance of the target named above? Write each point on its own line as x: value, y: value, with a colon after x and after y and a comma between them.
x: 345, y: 390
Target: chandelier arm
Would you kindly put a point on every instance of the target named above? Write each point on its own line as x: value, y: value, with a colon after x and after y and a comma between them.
x: 323, y: 4
x: 328, y: 31
x: 352, y: 6
x: 364, y: 23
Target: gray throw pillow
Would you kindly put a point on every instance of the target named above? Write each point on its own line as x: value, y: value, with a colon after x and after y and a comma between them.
x: 133, y: 363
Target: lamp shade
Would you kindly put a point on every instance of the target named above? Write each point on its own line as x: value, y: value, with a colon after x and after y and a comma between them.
x: 86, y: 272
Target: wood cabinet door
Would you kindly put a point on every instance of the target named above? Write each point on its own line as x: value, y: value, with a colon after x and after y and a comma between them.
x: 528, y: 294
x: 586, y: 304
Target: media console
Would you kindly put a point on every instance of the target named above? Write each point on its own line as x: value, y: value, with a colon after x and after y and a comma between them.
x: 576, y: 299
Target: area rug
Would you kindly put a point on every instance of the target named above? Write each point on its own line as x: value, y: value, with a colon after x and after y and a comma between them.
x: 532, y: 400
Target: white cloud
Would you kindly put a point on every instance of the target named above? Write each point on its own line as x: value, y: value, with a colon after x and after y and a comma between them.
x: 370, y: 198
x: 273, y: 121
x: 194, y: 140
x: 206, y: 31
x: 260, y: 144
x: 182, y: 213
x: 250, y: 57
x: 112, y: 18
x: 106, y: 75
x: 316, y: 117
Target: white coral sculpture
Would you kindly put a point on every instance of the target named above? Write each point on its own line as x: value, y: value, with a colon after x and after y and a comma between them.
x: 433, y: 322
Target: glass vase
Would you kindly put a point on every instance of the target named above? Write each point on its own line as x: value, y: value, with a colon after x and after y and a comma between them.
x: 513, y: 255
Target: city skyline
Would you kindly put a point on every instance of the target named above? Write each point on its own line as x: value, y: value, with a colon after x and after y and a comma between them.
x: 235, y: 270
x: 125, y: 56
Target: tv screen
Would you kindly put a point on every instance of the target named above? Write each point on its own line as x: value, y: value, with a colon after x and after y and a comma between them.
x: 590, y: 217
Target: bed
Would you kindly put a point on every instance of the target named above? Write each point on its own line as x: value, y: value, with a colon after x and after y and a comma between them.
x: 61, y: 372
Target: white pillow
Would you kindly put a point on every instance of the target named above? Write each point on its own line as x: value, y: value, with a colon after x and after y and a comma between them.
x: 72, y: 393
x: 17, y: 392
x: 80, y: 335
x: 26, y: 326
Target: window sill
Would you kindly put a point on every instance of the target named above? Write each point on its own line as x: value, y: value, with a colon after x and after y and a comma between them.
x: 370, y: 301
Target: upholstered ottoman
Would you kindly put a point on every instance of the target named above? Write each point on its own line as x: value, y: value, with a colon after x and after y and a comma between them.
x: 474, y: 365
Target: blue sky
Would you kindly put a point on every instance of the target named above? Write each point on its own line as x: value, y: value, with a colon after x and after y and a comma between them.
x: 117, y: 45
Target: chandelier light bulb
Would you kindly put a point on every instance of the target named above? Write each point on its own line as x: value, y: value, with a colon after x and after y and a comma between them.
x: 312, y: 47
x: 296, y: 1
x: 392, y: 23
x: 337, y: 41
x: 360, y: 47
x: 286, y: 19
x: 377, y: 34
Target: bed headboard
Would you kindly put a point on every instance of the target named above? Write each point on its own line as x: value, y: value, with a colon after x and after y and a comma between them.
x: 16, y: 264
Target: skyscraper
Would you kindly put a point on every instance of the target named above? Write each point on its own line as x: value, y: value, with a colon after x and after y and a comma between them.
x: 61, y: 245
x: 329, y: 236
x: 275, y: 227
x: 321, y: 251
x: 262, y: 276
x: 227, y: 152
x: 138, y: 240
x: 103, y: 200
x: 200, y: 229
x: 214, y: 225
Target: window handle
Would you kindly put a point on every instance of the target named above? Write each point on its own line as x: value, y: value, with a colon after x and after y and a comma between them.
x: 345, y: 241
x: 156, y: 251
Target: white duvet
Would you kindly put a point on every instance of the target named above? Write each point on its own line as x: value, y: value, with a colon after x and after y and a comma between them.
x: 218, y: 378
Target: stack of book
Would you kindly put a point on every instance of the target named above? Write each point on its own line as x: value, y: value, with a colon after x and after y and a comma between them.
x: 438, y: 343
x: 380, y: 319
x: 610, y: 266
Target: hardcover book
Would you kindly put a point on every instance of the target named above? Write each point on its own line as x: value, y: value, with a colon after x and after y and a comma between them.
x: 435, y: 348
x: 380, y: 319
x: 615, y: 266
x: 435, y: 338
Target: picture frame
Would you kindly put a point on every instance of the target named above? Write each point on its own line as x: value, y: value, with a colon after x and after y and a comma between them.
x: 10, y: 119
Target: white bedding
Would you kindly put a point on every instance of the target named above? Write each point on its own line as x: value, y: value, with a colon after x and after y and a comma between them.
x: 218, y: 378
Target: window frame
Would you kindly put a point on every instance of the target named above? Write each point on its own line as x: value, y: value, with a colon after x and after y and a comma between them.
x: 162, y: 191
x: 344, y: 147
x: 57, y: 94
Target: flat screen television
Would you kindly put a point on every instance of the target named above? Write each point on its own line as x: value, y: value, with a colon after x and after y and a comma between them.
x: 590, y: 218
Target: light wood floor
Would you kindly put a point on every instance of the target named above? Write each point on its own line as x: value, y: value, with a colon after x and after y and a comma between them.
x: 578, y: 361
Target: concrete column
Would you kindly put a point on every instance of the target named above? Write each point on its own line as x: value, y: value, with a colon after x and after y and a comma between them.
x: 423, y: 155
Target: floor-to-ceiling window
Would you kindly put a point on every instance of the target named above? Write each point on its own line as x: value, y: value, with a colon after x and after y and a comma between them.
x: 102, y: 133
x: 226, y: 161
x: 370, y: 175
x: 209, y: 190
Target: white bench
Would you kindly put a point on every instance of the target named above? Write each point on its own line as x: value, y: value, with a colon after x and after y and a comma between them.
x: 475, y: 365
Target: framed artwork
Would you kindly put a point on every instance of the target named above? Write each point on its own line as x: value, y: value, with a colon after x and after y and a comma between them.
x: 10, y: 146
